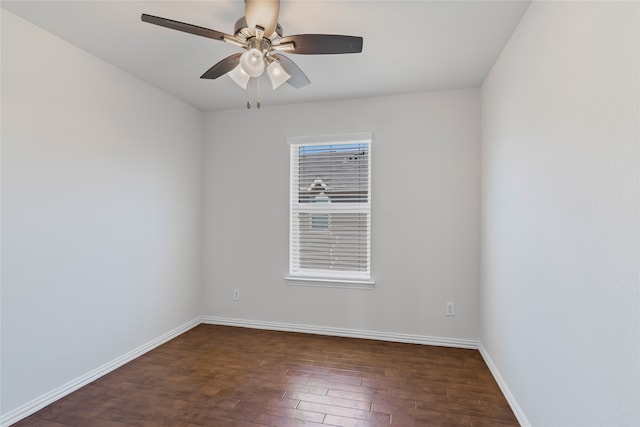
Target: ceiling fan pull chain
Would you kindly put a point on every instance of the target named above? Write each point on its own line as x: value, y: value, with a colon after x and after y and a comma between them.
x: 249, y: 95
x: 258, y: 97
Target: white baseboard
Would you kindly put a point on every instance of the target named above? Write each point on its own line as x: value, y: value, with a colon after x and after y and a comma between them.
x: 342, y: 332
x: 515, y: 407
x: 58, y: 393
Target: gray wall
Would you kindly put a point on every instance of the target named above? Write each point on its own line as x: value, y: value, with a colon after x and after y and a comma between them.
x: 101, y: 213
x: 425, y: 215
x: 561, y: 214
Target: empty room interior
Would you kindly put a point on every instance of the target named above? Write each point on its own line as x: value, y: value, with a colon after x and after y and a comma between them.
x: 500, y: 198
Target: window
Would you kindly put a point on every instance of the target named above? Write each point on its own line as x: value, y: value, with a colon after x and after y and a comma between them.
x: 330, y: 208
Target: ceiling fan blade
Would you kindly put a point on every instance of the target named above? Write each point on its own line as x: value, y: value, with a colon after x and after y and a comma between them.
x: 298, y: 77
x: 321, y: 44
x: 222, y: 67
x: 262, y: 13
x: 182, y: 26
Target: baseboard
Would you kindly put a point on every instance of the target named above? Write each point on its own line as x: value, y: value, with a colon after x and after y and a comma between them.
x: 58, y: 393
x: 515, y: 407
x: 342, y: 332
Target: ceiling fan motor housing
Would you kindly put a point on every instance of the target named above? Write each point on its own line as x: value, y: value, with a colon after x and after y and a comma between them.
x: 242, y: 32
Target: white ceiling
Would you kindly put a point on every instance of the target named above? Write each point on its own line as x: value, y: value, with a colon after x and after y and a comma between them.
x: 409, y: 46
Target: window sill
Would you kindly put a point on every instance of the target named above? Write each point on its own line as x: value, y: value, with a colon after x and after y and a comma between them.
x: 330, y: 283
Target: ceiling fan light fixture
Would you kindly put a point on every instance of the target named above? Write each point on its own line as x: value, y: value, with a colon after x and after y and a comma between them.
x: 239, y: 76
x: 252, y: 62
x: 277, y: 74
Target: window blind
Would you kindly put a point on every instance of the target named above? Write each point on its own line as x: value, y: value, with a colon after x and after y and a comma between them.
x: 330, y: 208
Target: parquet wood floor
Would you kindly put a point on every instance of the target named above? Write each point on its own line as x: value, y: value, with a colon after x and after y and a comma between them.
x: 224, y: 376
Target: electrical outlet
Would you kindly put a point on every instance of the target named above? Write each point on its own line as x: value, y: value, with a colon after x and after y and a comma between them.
x: 236, y: 294
x: 450, y: 308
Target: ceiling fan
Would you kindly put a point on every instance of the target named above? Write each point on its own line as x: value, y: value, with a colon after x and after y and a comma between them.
x: 260, y: 34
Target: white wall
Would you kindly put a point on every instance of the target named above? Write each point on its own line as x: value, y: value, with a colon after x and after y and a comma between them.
x: 101, y: 213
x: 560, y: 303
x: 425, y: 214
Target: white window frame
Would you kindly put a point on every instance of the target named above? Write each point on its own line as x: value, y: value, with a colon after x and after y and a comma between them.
x: 321, y: 277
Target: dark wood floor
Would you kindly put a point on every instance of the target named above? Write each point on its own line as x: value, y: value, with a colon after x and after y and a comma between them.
x: 224, y: 376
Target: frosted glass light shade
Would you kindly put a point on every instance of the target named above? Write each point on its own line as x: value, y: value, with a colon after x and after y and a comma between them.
x: 277, y: 74
x: 239, y: 76
x: 252, y: 62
